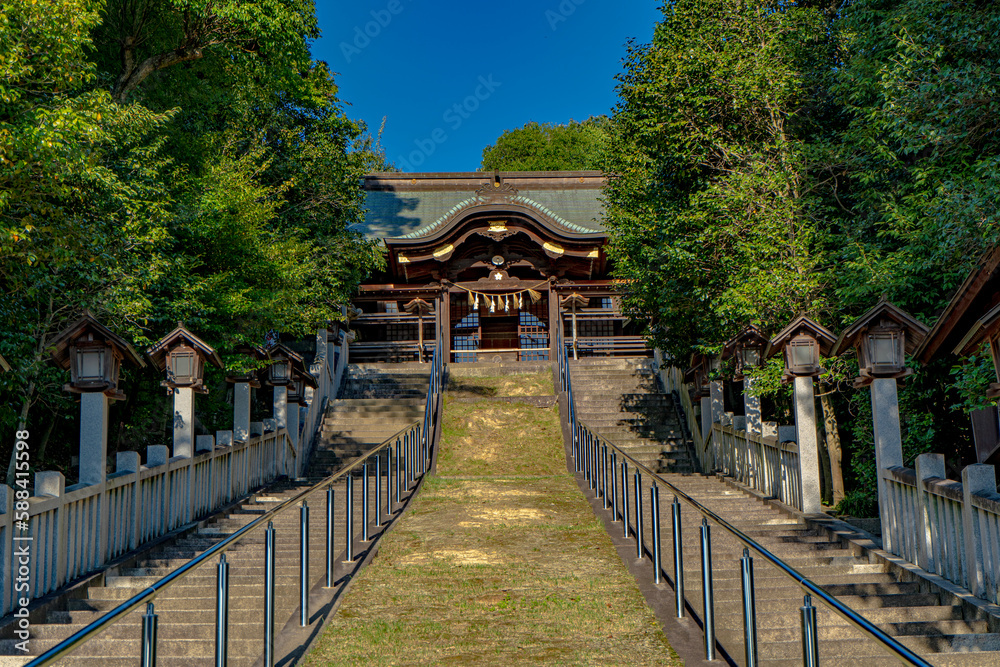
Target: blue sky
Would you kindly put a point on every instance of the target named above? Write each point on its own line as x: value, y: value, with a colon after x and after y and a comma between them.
x: 450, y: 77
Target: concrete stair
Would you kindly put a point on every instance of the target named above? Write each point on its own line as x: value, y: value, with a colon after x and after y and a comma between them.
x: 930, y: 622
x: 375, y: 402
x: 186, y: 610
x: 621, y: 400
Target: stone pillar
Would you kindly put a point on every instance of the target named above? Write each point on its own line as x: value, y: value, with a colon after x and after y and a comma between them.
x: 888, y: 448
x: 977, y: 478
x: 184, y: 422
x: 93, y: 437
x: 129, y: 462
x: 241, y: 411
x: 808, y: 442
x: 706, y: 425
x: 294, y: 425
x: 53, y: 485
x: 928, y: 466
x: 718, y: 403
x: 281, y: 421
x: 751, y: 405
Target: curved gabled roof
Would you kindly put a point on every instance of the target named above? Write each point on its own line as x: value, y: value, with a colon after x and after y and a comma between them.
x: 409, y: 206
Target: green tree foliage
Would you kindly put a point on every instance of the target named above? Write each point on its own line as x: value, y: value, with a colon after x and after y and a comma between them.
x: 549, y: 147
x: 777, y: 157
x: 709, y: 209
x: 160, y: 161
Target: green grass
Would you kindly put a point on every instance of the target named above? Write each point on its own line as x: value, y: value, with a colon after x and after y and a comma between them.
x: 499, y: 561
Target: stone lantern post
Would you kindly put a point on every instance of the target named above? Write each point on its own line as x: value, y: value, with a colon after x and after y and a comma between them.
x: 883, y: 337
x: 242, y: 384
x: 803, y: 342
x: 93, y: 355
x: 182, y: 356
x: 286, y: 365
x: 748, y: 349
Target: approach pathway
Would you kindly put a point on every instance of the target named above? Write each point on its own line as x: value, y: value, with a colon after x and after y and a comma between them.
x: 500, y: 560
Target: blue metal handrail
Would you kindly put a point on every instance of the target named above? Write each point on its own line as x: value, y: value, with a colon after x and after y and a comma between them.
x: 422, y: 431
x: 890, y: 644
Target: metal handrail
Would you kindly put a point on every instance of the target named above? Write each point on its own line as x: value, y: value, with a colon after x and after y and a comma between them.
x: 96, y: 627
x: 897, y: 649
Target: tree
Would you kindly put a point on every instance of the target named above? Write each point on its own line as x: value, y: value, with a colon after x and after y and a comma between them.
x: 151, y: 35
x: 549, y: 147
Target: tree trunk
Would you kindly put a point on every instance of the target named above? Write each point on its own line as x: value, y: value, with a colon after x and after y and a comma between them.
x: 832, y: 435
x: 22, y: 424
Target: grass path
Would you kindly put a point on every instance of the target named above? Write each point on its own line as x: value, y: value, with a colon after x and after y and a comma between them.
x: 500, y: 560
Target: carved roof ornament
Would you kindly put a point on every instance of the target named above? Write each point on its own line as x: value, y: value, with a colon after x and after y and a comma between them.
x: 496, y: 189
x: 497, y: 230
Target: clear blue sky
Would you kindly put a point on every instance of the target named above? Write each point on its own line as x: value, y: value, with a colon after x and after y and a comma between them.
x: 450, y: 77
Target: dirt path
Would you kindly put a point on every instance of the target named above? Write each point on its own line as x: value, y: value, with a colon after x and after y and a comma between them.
x: 500, y: 560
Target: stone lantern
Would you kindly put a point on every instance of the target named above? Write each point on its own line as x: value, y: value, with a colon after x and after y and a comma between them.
x: 803, y: 342
x: 182, y: 355
x: 297, y: 389
x: 883, y: 337
x: 242, y: 385
x: 285, y: 367
x: 747, y: 348
x: 93, y: 356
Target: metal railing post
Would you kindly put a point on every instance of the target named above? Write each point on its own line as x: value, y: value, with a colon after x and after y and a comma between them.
x: 331, y: 552
x: 810, y: 647
x: 269, y: 595
x: 304, y: 564
x: 678, y: 558
x: 604, y: 473
x: 654, y: 511
x: 398, y: 482
x: 614, y: 488
x: 749, y: 609
x: 222, y: 613
x: 638, y: 515
x: 625, y: 498
x: 149, y: 621
x: 349, y: 517
x: 708, y: 596
x: 364, y: 502
x: 378, y: 490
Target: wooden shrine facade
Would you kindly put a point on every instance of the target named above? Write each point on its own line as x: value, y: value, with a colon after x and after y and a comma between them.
x: 494, y: 264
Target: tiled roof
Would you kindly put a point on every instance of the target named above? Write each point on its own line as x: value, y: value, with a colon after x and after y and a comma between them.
x: 411, y: 214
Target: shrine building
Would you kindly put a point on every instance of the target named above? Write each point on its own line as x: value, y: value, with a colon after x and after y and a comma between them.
x: 494, y: 262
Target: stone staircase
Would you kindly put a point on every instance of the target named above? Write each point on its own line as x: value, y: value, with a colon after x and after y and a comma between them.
x: 186, y: 610
x: 376, y: 401
x: 929, y: 621
x: 621, y: 400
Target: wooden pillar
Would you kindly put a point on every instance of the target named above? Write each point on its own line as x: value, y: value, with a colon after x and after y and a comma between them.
x: 553, y: 321
x: 445, y: 324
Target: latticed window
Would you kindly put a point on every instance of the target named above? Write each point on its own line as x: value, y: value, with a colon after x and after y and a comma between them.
x: 533, y: 338
x: 399, y: 332
x: 597, y: 329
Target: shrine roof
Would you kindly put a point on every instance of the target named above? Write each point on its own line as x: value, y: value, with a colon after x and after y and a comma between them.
x: 414, y: 205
